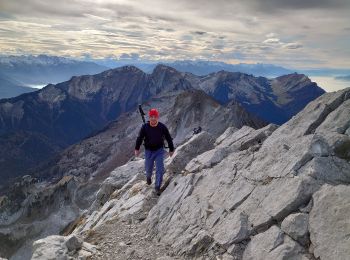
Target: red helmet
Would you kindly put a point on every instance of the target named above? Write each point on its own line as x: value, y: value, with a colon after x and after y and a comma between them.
x: 153, y: 112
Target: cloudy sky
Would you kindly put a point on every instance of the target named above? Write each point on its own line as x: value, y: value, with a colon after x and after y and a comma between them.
x: 294, y: 33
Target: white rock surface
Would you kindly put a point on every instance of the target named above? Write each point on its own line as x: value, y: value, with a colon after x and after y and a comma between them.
x: 252, y: 179
x: 330, y: 222
x: 60, y: 248
x: 273, y: 244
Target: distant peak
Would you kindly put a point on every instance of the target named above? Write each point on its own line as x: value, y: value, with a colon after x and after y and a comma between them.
x: 162, y: 67
x: 293, y: 75
x: 127, y: 68
x: 130, y: 68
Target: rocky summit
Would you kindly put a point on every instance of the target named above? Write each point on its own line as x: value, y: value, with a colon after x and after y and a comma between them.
x: 269, y: 193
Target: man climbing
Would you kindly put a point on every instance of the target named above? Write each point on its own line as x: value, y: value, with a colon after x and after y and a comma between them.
x: 153, y: 133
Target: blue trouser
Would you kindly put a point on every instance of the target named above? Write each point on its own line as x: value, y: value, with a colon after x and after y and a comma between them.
x: 158, y: 157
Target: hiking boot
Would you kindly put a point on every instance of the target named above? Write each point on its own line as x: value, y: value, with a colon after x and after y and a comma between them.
x: 158, y: 192
x: 149, y: 181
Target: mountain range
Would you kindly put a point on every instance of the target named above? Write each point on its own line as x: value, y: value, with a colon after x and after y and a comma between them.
x: 25, y: 73
x: 35, y: 126
x: 346, y: 78
x: 39, y: 70
x: 201, y: 67
x: 206, y: 67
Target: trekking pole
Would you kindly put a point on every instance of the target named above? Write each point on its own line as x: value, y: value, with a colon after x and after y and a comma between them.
x: 142, y: 113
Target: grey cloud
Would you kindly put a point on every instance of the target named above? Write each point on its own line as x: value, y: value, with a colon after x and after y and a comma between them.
x: 272, y: 41
x: 293, y: 46
x: 165, y: 29
x: 129, y: 56
x: 270, y: 5
x: 218, y: 46
x: 61, y: 8
x: 5, y: 16
x: 66, y: 27
x: 187, y: 37
x: 132, y: 26
x: 11, y: 34
x: 199, y: 32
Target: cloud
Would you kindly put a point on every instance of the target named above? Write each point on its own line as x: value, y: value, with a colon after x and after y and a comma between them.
x: 199, y: 32
x: 271, y: 35
x: 252, y: 30
x: 272, y: 41
x: 293, y: 45
x: 272, y: 6
x: 129, y: 56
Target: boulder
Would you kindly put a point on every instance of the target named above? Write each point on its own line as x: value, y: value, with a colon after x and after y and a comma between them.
x: 273, y: 244
x: 62, y: 248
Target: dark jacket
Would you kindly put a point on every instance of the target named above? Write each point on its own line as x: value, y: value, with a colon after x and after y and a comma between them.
x: 154, y: 137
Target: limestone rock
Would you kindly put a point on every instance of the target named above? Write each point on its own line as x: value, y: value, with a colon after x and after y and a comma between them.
x: 233, y: 229
x: 253, y: 179
x: 51, y: 247
x: 273, y: 244
x: 60, y: 247
x: 297, y: 227
x: 234, y: 192
x: 73, y: 243
x: 329, y: 222
x: 183, y: 154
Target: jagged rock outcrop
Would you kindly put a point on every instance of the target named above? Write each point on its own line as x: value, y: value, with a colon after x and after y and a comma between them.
x: 184, y: 153
x: 238, y: 193
x: 46, y: 209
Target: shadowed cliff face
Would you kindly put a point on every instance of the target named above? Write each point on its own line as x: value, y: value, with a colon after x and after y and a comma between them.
x: 34, y: 127
x: 273, y: 100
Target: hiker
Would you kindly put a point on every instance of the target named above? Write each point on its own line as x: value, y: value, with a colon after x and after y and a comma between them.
x: 153, y: 133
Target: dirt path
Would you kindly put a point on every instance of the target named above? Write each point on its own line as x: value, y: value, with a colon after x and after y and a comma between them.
x: 118, y: 239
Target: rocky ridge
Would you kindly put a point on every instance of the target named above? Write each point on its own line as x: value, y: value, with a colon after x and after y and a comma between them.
x: 59, y: 193
x: 271, y: 193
